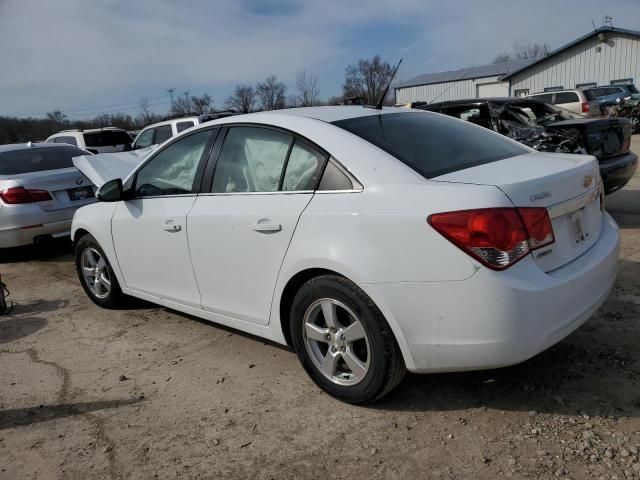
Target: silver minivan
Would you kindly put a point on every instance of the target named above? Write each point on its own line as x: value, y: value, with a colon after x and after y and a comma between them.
x: 573, y: 100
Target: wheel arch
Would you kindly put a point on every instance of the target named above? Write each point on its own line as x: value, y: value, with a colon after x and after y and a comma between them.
x: 301, y: 277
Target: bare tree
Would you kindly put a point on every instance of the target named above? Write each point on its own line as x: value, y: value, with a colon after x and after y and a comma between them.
x: 336, y: 100
x: 202, y: 105
x: 308, y: 91
x: 523, y: 50
x: 146, y: 114
x: 271, y: 93
x: 243, y: 99
x: 57, y: 117
x: 182, y: 106
x: 367, y: 79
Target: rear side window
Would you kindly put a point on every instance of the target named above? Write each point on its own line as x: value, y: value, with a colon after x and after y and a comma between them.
x: 106, y: 138
x: 181, y: 126
x: 37, y: 159
x: 544, y: 98
x: 567, y: 97
x: 251, y: 160
x: 163, y: 133
x: 431, y: 144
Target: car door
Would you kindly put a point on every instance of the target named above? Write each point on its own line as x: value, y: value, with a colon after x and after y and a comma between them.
x: 239, y: 232
x: 150, y: 230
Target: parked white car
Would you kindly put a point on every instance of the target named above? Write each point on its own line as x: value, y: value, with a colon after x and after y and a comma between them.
x: 94, y: 140
x: 40, y: 189
x: 371, y: 241
x: 162, y: 131
x: 573, y: 100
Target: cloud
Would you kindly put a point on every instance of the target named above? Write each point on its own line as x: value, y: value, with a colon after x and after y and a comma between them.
x: 72, y: 54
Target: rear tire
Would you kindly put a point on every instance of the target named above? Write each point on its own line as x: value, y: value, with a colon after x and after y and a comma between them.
x: 343, y: 341
x: 96, y: 275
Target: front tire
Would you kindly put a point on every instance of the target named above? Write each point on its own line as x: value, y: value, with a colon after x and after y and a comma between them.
x: 96, y: 275
x: 343, y: 341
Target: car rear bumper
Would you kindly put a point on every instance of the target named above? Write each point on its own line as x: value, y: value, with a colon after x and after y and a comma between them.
x: 23, y: 224
x: 616, y: 172
x: 16, y: 237
x: 494, y: 319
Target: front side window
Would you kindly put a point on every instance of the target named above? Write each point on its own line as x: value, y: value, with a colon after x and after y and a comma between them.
x: 173, y: 170
x: 67, y: 140
x: 431, y: 144
x: 163, y: 133
x: 251, y: 160
x: 303, y: 168
x: 145, y: 139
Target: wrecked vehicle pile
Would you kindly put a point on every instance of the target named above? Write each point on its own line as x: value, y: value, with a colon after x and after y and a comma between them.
x: 547, y: 128
x: 630, y: 109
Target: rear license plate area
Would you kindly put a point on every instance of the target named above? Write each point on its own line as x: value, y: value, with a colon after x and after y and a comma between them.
x: 579, y: 231
x: 80, y: 193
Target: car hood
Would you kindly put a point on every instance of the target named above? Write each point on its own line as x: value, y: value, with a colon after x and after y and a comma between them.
x: 103, y: 167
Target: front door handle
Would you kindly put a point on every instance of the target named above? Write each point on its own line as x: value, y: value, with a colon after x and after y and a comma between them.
x: 171, y: 226
x: 266, y: 227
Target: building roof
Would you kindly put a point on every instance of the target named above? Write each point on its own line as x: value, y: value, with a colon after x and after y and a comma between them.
x: 492, y: 70
x: 571, y: 44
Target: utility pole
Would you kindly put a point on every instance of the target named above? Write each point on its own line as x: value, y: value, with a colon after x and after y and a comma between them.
x: 170, y: 92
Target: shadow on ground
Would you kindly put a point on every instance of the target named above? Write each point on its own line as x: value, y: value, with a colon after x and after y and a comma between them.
x: 56, y: 250
x: 19, y: 327
x: 27, y: 416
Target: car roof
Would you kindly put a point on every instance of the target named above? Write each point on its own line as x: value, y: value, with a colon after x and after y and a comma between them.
x: 10, y: 147
x: 326, y: 114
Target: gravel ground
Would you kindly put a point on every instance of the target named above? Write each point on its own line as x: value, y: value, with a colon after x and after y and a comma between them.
x: 151, y: 393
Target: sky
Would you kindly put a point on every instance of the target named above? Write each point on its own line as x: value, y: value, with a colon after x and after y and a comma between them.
x: 101, y: 56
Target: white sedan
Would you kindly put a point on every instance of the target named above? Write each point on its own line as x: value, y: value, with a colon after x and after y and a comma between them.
x: 371, y: 241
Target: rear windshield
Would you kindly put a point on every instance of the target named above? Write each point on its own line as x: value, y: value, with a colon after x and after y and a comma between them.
x: 432, y: 144
x: 37, y: 159
x: 106, y: 138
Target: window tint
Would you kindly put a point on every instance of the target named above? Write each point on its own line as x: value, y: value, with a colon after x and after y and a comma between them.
x: 163, y: 133
x: 303, y: 168
x: 67, y: 140
x: 37, y: 159
x: 181, y: 126
x: 173, y: 170
x: 431, y: 144
x: 145, y: 139
x: 567, y: 97
x: 251, y: 160
x: 612, y: 90
x: 106, y: 138
x: 334, y: 179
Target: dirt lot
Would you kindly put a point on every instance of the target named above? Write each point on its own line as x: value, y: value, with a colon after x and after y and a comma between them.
x: 150, y: 393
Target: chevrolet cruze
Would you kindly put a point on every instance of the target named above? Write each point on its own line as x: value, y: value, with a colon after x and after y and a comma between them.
x: 371, y: 241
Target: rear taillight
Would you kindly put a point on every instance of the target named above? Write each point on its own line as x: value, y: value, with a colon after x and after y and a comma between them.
x: 497, y: 237
x: 585, y: 107
x: 15, y: 195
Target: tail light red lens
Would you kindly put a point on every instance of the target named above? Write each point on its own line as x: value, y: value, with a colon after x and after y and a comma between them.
x: 585, y: 107
x: 15, y: 195
x: 497, y: 237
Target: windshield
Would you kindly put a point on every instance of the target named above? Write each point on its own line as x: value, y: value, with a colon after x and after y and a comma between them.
x: 432, y: 144
x: 106, y: 138
x: 37, y: 159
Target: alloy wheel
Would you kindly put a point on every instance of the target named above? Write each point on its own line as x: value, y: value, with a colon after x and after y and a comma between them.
x: 96, y: 273
x: 336, y: 341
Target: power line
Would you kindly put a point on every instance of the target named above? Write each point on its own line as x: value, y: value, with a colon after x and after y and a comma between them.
x: 84, y: 109
x: 129, y: 108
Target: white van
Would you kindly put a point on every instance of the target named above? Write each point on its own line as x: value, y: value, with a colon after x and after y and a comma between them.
x: 573, y: 100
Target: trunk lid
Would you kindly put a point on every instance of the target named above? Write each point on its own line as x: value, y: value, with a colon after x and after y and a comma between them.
x: 67, y: 186
x: 568, y: 186
x: 603, y: 137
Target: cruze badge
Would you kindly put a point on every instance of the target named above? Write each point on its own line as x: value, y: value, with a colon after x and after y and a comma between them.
x: 587, y: 181
x: 539, y: 196
x: 78, y: 180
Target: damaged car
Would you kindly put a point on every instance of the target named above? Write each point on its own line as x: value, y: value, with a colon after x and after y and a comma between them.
x: 372, y: 241
x: 547, y: 128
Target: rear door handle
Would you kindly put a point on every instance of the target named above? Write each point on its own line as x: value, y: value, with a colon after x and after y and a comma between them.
x: 266, y: 227
x: 171, y: 226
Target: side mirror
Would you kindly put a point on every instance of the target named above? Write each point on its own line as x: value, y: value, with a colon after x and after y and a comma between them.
x: 111, y: 191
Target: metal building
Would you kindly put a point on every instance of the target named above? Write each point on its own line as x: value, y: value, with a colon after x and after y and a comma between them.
x: 604, y: 56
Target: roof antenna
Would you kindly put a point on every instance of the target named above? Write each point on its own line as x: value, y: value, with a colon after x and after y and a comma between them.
x: 384, y: 94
